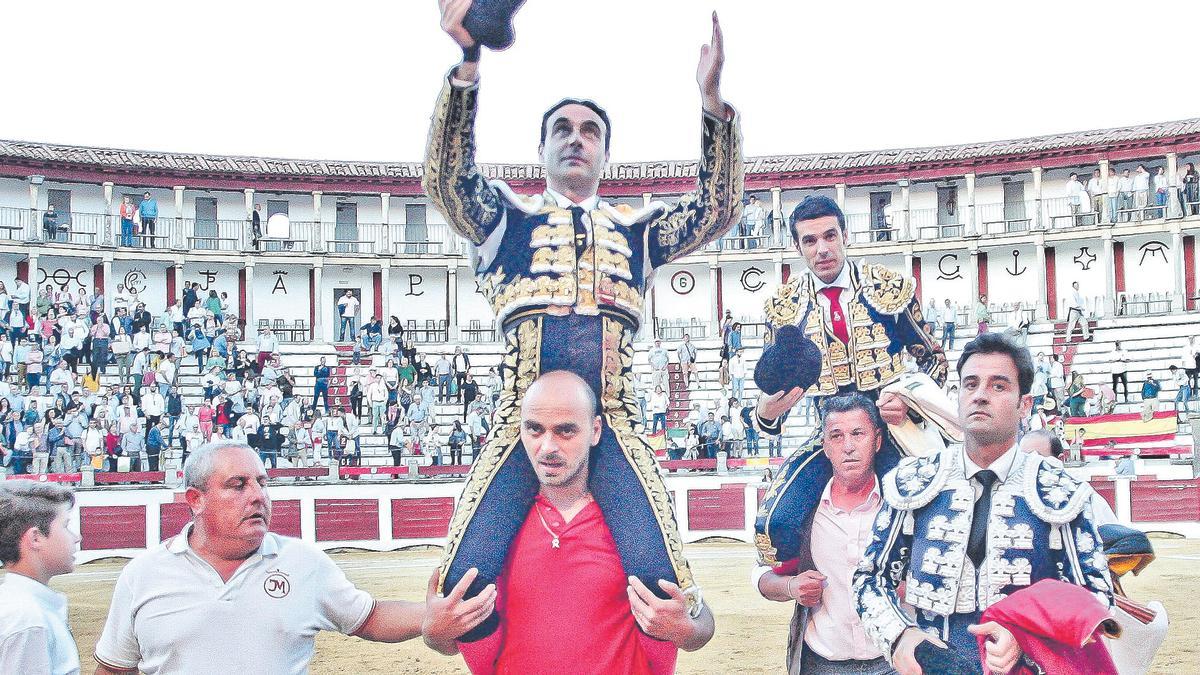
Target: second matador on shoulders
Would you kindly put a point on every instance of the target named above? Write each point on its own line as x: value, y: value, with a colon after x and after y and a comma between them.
x: 862, y: 318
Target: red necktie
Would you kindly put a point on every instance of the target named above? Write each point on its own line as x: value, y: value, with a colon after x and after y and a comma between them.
x: 833, y: 293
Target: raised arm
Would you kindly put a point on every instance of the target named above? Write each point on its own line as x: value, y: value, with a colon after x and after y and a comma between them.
x: 455, y: 185
x: 702, y: 216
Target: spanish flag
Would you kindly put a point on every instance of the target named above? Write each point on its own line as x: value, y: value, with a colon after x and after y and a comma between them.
x: 1124, y: 429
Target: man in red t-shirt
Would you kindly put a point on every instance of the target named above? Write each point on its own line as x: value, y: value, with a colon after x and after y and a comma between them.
x: 565, y: 603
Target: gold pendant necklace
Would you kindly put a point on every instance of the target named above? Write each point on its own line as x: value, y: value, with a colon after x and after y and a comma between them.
x: 554, y: 540
x: 554, y: 537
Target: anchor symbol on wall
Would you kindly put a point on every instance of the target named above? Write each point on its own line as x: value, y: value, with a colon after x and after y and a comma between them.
x: 1016, y: 270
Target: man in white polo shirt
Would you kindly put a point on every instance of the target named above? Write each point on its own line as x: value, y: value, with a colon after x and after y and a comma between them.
x: 227, y: 596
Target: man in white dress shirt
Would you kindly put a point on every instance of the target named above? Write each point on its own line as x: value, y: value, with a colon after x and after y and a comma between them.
x: 826, y: 634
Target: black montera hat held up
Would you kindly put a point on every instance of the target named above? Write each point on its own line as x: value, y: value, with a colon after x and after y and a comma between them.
x: 490, y: 22
x: 793, y: 361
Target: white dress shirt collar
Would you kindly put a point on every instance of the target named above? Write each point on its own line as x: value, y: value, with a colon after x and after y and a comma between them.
x: 588, y: 204
x: 1001, y: 467
x: 841, y: 281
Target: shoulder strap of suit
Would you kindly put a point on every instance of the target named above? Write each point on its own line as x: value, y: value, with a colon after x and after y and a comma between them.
x: 529, y: 204
x: 917, y: 480
x: 885, y: 290
x: 1051, y: 493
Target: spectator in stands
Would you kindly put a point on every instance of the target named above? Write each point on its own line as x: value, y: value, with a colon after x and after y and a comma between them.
x: 372, y: 334
x: 1190, y: 356
x: 1183, y: 390
x: 1075, y: 394
x: 21, y: 296
x: 1125, y: 195
x: 255, y: 220
x: 37, y: 543
x: 148, y: 212
x: 1150, y: 389
x: 749, y: 430
x: 949, y: 318
x: 1189, y: 190
x: 397, y: 444
x: 1076, y: 197
x: 1141, y: 191
x: 1112, y: 193
x: 737, y: 374
x: 1162, y: 188
x: 1077, y: 313
x: 101, y: 335
x: 659, y: 359
x: 686, y: 353
x: 753, y: 220
x: 321, y: 384
x: 983, y: 315
x: 468, y: 391
x: 462, y: 365
x: 133, y: 445
x: 444, y: 370
x: 658, y: 405
x: 50, y: 225
x: 730, y: 438
x: 377, y: 398
x: 456, y: 441
x: 126, y: 212
x: 155, y: 443
x: 1126, y: 466
x: 1095, y: 191
x: 733, y: 339
x: 348, y: 311
x: 1018, y: 324
x: 710, y: 435
x: 1119, y: 359
x: 266, y: 344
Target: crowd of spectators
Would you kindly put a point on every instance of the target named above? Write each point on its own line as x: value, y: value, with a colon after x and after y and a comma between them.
x: 57, y: 346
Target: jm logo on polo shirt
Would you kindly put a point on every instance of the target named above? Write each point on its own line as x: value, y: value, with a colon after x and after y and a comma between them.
x: 276, y: 584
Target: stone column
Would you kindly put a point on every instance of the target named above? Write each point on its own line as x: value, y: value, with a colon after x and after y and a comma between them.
x: 1179, y: 270
x: 904, y: 227
x: 248, y: 194
x: 714, y: 284
x: 35, y: 188
x: 840, y: 196
x: 247, y: 311
x: 177, y: 270
x: 647, y: 197
x: 317, y: 237
x: 385, y: 272
x: 108, y: 220
x: 1173, y: 191
x: 109, y: 286
x: 971, y: 226
x: 180, y: 232
x: 1110, y: 273
x: 1104, y: 184
x: 1037, y: 198
x: 318, y: 327
x: 452, y: 301
x: 973, y: 280
x: 385, y: 212
x: 777, y: 226
x: 1039, y: 249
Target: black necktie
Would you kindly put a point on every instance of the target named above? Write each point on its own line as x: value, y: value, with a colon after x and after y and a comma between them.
x: 977, y: 544
x: 581, y: 233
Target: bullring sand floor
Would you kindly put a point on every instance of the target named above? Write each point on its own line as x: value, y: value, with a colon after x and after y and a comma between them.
x: 750, y: 631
